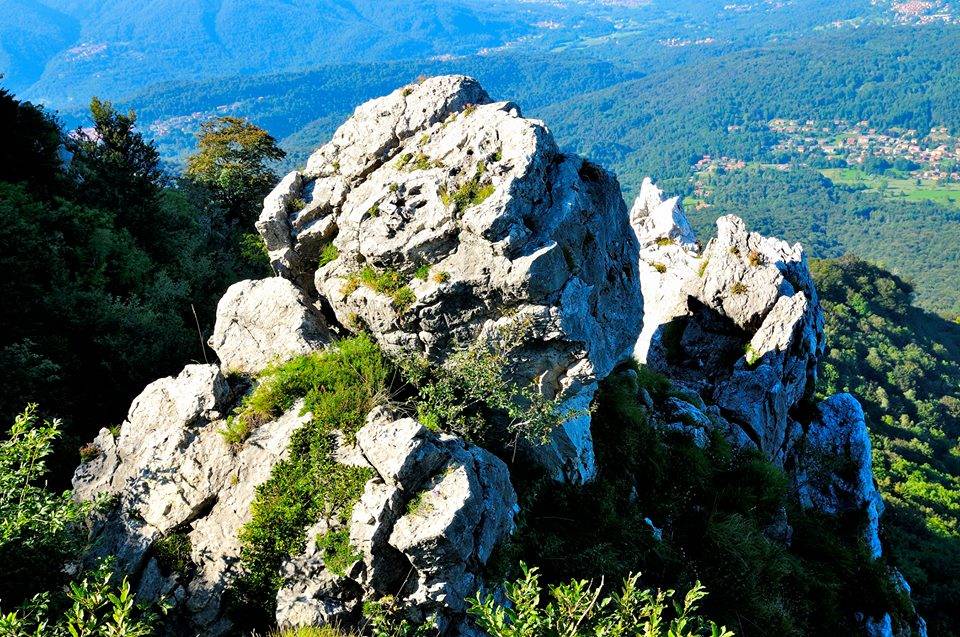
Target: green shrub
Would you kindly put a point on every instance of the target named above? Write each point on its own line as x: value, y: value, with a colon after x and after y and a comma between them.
x: 338, y: 554
x: 422, y: 273
x: 581, y: 609
x: 40, y: 530
x: 714, y: 508
x: 471, y: 390
x: 340, y: 386
x: 96, y: 605
x: 471, y: 193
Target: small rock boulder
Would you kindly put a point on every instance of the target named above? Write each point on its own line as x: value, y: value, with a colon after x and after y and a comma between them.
x: 260, y: 322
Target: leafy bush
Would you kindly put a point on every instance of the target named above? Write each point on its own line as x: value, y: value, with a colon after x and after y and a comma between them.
x: 96, y: 607
x: 39, y: 529
x: 338, y: 555
x: 340, y: 386
x: 471, y: 391
x: 173, y: 554
x: 579, y: 609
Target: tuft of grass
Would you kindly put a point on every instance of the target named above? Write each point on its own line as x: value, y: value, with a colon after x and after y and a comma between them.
x: 173, y: 554
x: 422, y: 273
x: 340, y: 386
x: 328, y: 253
x: 238, y: 428
x: 469, y: 109
x: 296, y: 204
x: 738, y: 288
x: 338, y: 553
x: 752, y: 356
x: 703, y: 268
x: 374, y: 210
x: 403, y: 161
x: 441, y: 277
x: 419, y: 504
x: 388, y: 282
x: 660, y: 267
x: 665, y: 241
x: 735, y: 250
x: 754, y: 258
x: 393, y: 187
x: 89, y: 452
x: 498, y: 156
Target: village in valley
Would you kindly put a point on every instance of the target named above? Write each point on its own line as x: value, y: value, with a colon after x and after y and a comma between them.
x: 896, y: 162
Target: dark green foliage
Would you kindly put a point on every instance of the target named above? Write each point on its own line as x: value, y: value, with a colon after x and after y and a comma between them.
x: 102, y: 264
x: 339, y: 386
x: 903, y: 364
x: 338, y: 554
x: 714, y: 507
x: 173, y: 554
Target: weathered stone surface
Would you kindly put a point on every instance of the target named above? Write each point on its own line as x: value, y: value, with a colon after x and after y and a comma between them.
x: 260, y: 322
x: 172, y: 472
x: 839, y: 437
x: 742, y: 317
x: 518, y: 238
x: 424, y: 527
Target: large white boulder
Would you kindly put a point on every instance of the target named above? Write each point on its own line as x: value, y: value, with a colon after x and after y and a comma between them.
x: 446, y: 218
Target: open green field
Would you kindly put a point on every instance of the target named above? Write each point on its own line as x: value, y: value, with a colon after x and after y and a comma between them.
x: 897, y: 188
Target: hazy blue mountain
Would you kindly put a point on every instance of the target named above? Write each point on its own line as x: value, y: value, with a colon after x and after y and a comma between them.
x: 62, y: 52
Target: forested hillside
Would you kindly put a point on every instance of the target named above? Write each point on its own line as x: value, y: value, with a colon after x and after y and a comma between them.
x: 109, y: 267
x: 904, y: 364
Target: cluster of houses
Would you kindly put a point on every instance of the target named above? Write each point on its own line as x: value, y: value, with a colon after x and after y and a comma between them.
x: 935, y: 156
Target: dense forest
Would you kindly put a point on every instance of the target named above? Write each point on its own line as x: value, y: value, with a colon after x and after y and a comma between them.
x: 110, y: 266
x: 902, y: 363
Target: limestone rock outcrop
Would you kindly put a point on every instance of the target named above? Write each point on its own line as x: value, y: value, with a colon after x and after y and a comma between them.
x: 259, y: 322
x: 435, y: 217
x: 423, y: 528
x: 170, y: 473
x: 741, y: 317
x: 838, y: 437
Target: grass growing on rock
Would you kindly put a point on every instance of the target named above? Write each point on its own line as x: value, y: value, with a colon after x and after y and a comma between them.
x: 339, y: 386
x: 388, y: 282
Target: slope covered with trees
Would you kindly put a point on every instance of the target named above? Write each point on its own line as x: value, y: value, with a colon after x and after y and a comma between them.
x: 903, y: 363
x: 109, y: 267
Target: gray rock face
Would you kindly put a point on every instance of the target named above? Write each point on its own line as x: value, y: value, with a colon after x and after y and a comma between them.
x: 839, y: 437
x: 741, y: 316
x: 511, y: 236
x: 171, y: 472
x: 423, y: 528
x: 259, y: 322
